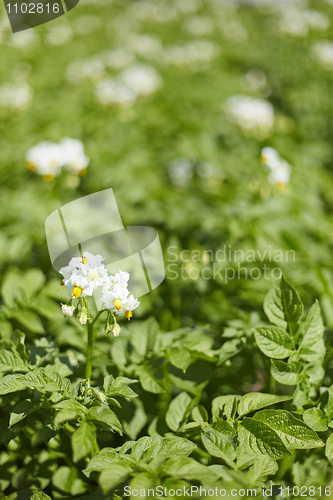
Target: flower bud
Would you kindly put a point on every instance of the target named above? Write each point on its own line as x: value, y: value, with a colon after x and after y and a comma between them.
x: 67, y: 309
x: 116, y: 330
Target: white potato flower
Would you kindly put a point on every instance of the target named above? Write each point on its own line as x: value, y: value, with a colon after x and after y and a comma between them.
x: 46, y: 158
x: 250, y: 113
x: 116, y: 296
x: 73, y: 154
x: 279, y: 169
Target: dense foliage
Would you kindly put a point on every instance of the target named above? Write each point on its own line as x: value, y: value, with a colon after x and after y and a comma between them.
x: 173, y: 402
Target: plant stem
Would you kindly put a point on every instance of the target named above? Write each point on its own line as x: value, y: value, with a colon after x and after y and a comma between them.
x: 89, y: 349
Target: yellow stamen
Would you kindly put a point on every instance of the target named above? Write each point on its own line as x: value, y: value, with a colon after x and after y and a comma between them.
x: 76, y: 292
x: 281, y: 185
x: 128, y: 314
x: 83, y: 172
x: 48, y: 178
x: 117, y: 304
x: 263, y: 159
x: 31, y: 166
x: 85, y: 260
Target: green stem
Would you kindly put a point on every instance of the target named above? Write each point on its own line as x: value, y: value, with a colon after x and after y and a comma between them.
x: 89, y: 349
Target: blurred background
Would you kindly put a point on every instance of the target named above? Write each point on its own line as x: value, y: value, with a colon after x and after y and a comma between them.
x: 173, y: 102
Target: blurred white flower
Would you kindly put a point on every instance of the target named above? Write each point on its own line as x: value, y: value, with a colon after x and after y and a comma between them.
x: 180, y: 172
x: 188, y: 6
x: 323, y: 52
x: 16, y: 96
x: 73, y: 155
x: 298, y: 21
x: 145, y: 45
x: 281, y: 175
x: 59, y: 35
x: 142, y: 79
x: 112, y: 92
x: 85, y: 69
x: 196, y: 54
x: 250, y: 113
x: 279, y: 169
x: 46, y: 158
x: 117, y: 58
x: 270, y: 157
x: 25, y: 40
x: 199, y: 26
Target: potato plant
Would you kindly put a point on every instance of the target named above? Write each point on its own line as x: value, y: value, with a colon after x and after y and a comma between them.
x: 153, y: 414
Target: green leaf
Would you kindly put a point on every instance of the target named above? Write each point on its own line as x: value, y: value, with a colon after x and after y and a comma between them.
x: 119, y: 386
x: 148, y: 381
x: 316, y: 419
x: 115, y: 474
x: 11, y: 290
x: 223, y: 427
x: 187, y: 468
x: 100, y: 461
x: 12, y: 383
x: 294, y: 433
x: 65, y: 479
x: 104, y: 415
x: 144, y: 335
x: 220, y: 445
x: 11, y: 361
x: 262, y: 467
x: 264, y: 439
x: 179, y: 357
x: 283, y: 306
x: 21, y: 410
x: 83, y: 440
x: 199, y: 414
x: 274, y: 342
x: 220, y: 403
x: 255, y: 401
x: 177, y: 411
x: 286, y: 373
x: 33, y: 281
x: 312, y: 344
x: 30, y: 320
x: 329, y: 449
x: 138, y: 421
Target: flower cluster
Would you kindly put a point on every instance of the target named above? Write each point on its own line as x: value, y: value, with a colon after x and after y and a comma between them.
x: 48, y: 158
x: 279, y: 169
x: 83, y: 276
x: 138, y: 80
x: 250, y: 113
